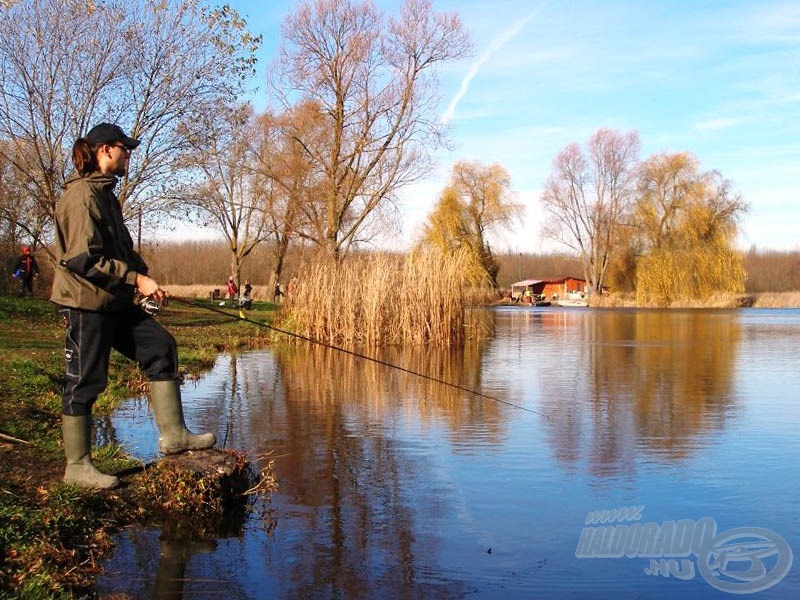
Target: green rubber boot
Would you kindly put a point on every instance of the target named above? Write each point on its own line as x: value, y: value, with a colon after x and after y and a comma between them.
x: 80, y: 470
x: 173, y: 436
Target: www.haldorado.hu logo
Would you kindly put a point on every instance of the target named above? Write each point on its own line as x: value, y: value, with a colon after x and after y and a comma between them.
x: 740, y: 561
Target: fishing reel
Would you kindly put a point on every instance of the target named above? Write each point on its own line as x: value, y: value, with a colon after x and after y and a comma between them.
x: 150, y: 305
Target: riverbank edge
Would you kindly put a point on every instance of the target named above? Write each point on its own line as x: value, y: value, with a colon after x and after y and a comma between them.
x: 54, y: 536
x: 715, y: 301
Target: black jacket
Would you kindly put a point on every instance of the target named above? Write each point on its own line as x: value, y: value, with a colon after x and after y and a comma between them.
x: 26, y: 266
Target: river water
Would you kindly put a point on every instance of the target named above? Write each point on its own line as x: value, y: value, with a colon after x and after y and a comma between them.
x: 396, y: 486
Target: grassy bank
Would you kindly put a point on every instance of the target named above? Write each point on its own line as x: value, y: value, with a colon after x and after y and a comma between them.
x: 53, y: 535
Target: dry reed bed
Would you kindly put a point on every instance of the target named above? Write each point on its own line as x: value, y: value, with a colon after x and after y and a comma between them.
x: 381, y: 299
x: 718, y: 300
x: 777, y: 300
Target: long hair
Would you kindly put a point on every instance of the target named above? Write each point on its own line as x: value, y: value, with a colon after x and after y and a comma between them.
x: 84, y: 157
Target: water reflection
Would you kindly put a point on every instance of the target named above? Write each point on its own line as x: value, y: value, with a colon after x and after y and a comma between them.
x: 174, y: 557
x: 155, y: 566
x: 393, y: 485
x: 335, y: 381
x: 340, y: 420
x: 650, y: 379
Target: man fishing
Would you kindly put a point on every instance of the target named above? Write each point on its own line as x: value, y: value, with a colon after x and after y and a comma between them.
x: 97, y: 275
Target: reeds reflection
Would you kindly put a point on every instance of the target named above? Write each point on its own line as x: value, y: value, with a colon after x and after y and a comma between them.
x: 337, y: 381
x: 337, y: 437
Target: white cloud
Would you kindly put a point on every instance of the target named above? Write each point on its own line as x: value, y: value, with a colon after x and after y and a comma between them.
x: 721, y: 123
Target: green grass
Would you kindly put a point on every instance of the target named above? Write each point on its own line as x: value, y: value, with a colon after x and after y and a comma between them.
x: 44, y: 541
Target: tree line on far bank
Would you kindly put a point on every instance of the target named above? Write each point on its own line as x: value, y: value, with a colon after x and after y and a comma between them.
x: 207, y: 263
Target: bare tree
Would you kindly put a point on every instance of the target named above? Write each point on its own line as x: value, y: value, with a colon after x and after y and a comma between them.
x: 148, y: 65
x: 589, y: 196
x: 477, y: 202
x: 229, y: 189
x: 22, y: 218
x: 373, y: 80
x: 285, y: 167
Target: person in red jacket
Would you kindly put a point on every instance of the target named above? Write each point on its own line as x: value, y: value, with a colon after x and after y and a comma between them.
x: 26, y: 271
x: 233, y: 290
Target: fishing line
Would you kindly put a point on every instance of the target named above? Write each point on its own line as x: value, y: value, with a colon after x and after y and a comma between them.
x: 242, y: 317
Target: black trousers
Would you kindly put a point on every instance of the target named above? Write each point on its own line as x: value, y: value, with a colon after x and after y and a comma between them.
x: 27, y: 285
x: 87, y: 349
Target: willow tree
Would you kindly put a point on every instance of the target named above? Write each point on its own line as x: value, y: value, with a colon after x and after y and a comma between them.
x: 148, y: 65
x: 374, y: 81
x: 688, y: 222
x: 589, y: 196
x: 477, y: 202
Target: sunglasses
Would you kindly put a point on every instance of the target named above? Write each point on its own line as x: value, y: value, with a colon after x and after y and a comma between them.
x: 122, y: 147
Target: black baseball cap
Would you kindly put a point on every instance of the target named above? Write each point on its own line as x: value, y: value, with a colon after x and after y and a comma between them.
x: 106, y: 133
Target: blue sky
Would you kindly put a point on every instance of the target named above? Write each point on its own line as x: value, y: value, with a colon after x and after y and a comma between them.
x: 718, y: 79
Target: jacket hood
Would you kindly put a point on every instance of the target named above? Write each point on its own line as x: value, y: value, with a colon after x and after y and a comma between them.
x: 96, y: 178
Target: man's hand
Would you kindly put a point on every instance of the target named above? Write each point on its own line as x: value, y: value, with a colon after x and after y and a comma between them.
x: 149, y: 287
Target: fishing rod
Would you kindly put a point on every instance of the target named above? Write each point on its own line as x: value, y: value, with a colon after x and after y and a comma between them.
x: 242, y: 317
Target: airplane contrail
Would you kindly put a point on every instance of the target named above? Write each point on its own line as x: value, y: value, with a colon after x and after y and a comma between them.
x: 496, y: 44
